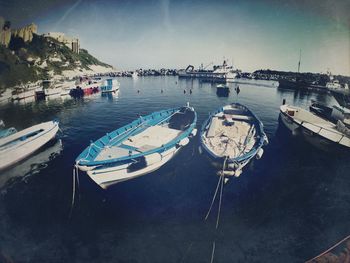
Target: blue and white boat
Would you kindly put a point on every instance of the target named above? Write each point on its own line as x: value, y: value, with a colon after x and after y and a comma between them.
x: 138, y: 148
x: 109, y: 85
x: 232, y: 136
x: 18, y: 146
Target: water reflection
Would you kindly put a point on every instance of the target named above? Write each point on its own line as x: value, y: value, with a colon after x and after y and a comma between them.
x: 33, y: 165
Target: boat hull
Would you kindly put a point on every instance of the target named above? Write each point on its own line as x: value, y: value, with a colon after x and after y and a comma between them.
x: 113, y: 175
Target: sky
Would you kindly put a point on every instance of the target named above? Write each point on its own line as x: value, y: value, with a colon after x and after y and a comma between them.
x: 251, y: 34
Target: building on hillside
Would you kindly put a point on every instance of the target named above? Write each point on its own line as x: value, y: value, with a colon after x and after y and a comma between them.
x: 70, y: 42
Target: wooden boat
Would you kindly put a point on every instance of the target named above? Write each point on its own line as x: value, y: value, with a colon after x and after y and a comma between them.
x: 138, y: 148
x: 232, y: 136
x: 21, y: 144
x: 320, y: 132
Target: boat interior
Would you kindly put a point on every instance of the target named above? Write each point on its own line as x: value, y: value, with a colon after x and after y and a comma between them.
x: 231, y: 132
x: 151, y: 137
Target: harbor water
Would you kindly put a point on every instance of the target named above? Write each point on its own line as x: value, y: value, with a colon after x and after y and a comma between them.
x: 289, y: 206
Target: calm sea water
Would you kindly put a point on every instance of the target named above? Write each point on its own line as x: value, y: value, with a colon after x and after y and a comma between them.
x: 286, y: 207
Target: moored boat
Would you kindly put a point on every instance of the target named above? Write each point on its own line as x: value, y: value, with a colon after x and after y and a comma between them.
x: 232, y: 136
x: 318, y: 131
x: 222, y: 90
x: 138, y: 148
x: 110, y: 85
x: 21, y: 144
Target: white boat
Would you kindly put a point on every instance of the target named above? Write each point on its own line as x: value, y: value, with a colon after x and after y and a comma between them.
x: 232, y: 136
x: 21, y: 144
x: 138, y: 148
x: 333, y: 84
x: 109, y: 85
x: 318, y: 131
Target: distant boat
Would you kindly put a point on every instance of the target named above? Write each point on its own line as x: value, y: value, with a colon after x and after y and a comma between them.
x: 222, y: 90
x: 21, y: 144
x: 138, y: 148
x: 232, y: 136
x: 219, y: 73
x: 318, y: 131
x: 110, y: 85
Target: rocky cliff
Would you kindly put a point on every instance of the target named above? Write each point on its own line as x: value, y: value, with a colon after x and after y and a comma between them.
x: 41, y: 58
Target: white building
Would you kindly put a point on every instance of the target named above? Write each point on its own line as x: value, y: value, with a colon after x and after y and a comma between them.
x: 70, y: 42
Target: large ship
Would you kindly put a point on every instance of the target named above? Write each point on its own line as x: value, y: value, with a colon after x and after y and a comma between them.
x: 219, y: 73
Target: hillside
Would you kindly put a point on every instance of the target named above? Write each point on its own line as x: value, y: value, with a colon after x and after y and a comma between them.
x: 42, y: 58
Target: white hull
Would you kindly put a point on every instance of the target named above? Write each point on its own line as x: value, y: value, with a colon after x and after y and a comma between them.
x: 11, y: 153
x: 113, y: 175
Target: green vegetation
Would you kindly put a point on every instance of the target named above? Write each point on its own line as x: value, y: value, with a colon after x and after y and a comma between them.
x: 28, y: 62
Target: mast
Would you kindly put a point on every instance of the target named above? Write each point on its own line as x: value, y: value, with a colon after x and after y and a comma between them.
x: 299, y: 61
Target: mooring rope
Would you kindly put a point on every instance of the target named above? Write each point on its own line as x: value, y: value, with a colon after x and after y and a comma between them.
x: 73, y: 194
x: 214, y: 197
x: 325, y: 252
x: 212, y: 253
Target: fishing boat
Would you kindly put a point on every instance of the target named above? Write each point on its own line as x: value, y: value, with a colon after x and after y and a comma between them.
x: 318, y: 131
x: 222, y: 90
x: 110, y: 85
x: 138, y: 148
x: 232, y: 136
x: 21, y: 144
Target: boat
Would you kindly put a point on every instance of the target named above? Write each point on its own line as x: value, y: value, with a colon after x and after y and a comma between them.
x: 110, y: 85
x: 21, y: 144
x: 232, y: 136
x: 318, y: 131
x: 4, y: 132
x: 85, y: 86
x: 220, y: 73
x: 138, y: 148
x: 222, y: 90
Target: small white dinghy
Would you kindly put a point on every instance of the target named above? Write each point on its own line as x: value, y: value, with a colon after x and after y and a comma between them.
x: 232, y: 136
x: 318, y: 131
x: 21, y: 144
x: 138, y: 148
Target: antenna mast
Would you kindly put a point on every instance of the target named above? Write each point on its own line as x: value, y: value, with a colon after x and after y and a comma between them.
x: 299, y: 60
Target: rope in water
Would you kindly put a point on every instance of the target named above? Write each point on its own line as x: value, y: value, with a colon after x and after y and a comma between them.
x: 73, y: 195
x: 325, y: 252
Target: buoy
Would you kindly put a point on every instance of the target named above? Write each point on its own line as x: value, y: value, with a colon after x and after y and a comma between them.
x: 194, y: 132
x: 266, y: 140
x: 259, y: 153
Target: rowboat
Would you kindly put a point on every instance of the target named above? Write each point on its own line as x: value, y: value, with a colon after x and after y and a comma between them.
x: 318, y: 131
x: 21, y: 144
x: 231, y: 137
x: 138, y: 148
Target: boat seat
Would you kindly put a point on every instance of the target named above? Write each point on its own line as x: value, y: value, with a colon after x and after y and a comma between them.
x: 237, y: 117
x: 215, y: 122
